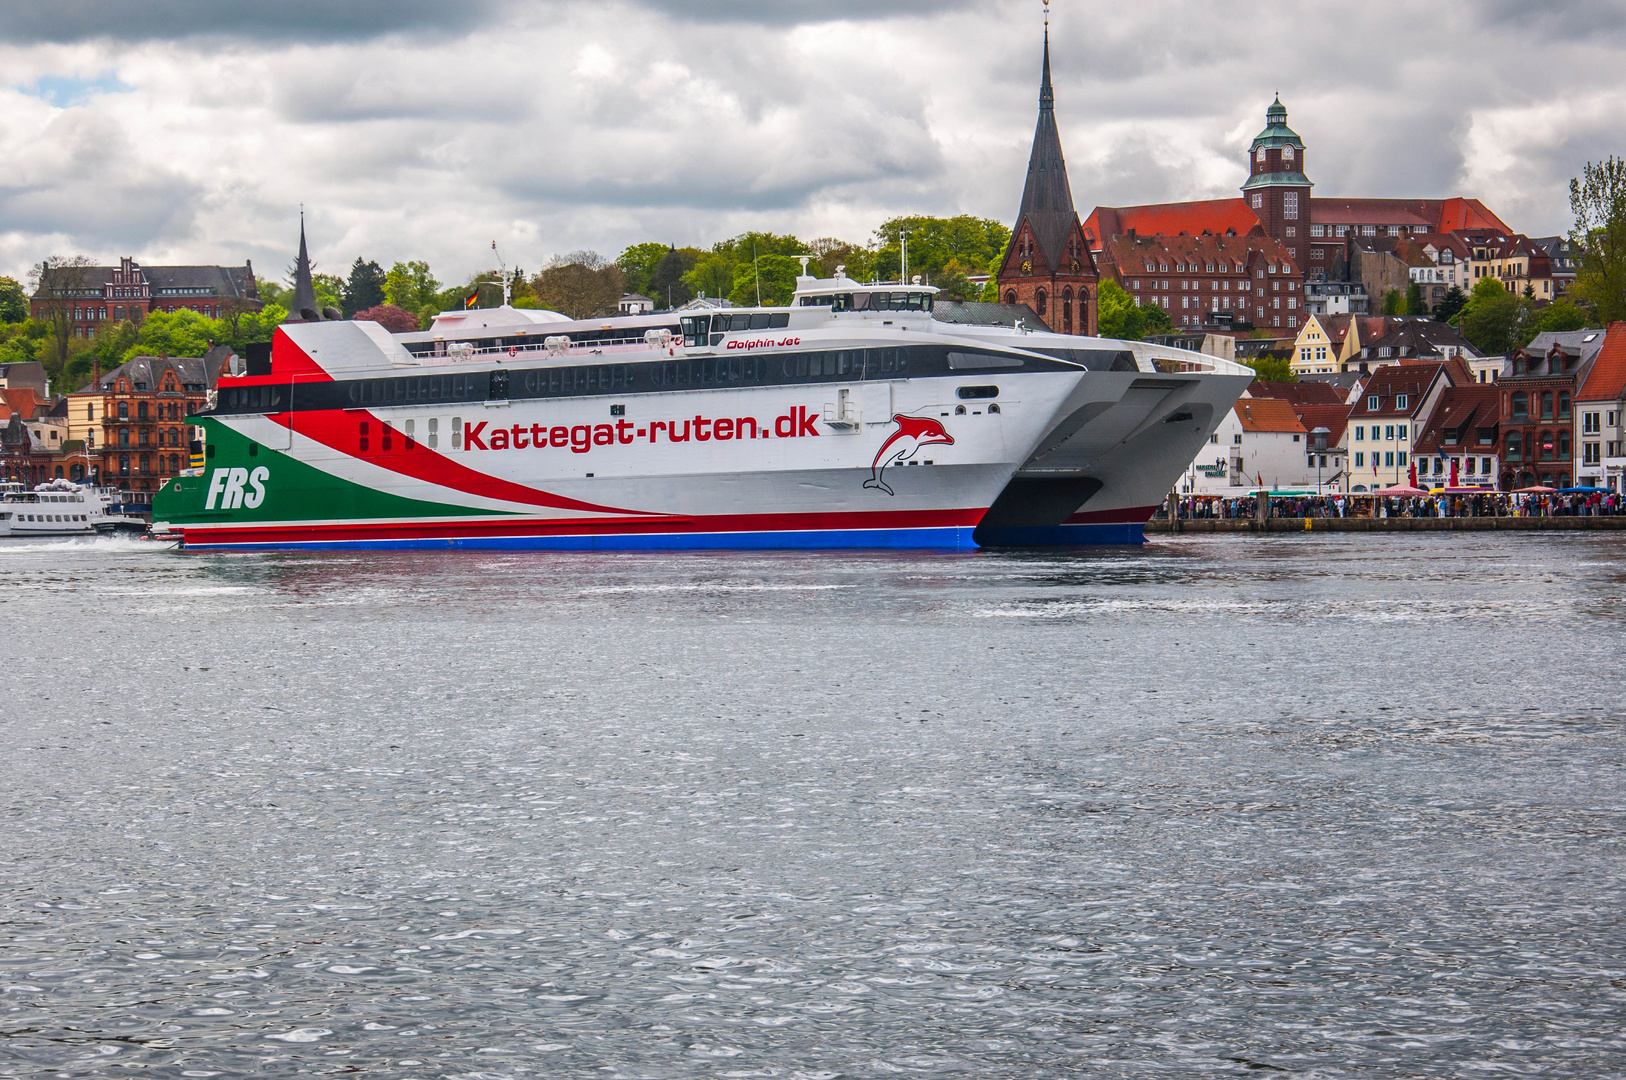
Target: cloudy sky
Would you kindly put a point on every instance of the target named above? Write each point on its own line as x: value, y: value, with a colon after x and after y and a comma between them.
x: 192, y: 130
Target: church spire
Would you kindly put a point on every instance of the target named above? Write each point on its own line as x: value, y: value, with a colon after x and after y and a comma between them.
x: 1047, y: 198
x: 305, y: 309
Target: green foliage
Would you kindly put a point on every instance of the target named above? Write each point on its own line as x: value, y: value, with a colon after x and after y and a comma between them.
x: 638, y: 265
x: 990, y: 289
x: 1415, y: 304
x: 185, y: 333
x: 1452, y: 302
x: 1118, y: 314
x: 1394, y: 302
x: 1494, y: 318
x: 364, y: 288
x: 756, y: 244
x: 23, y: 341
x: 1157, y: 320
x: 410, y: 286
x: 329, y: 289
x: 712, y: 275
x: 832, y: 253
x: 775, y: 275
x: 954, y: 281
x: 1598, y: 201
x: 934, y: 242
x: 1273, y: 369
x: 13, y: 301
x: 272, y: 293
x: 666, y: 285
x: 1556, y: 317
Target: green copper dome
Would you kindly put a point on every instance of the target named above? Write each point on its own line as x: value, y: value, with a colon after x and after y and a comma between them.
x: 1276, y: 133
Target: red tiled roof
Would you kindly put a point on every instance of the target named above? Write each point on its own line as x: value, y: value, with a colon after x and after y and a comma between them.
x: 1478, y: 405
x: 21, y: 400
x: 1128, y: 254
x: 1170, y: 219
x: 1412, y: 379
x: 1436, y: 215
x: 1267, y: 414
x: 1607, y: 380
x: 1297, y: 393
x: 1459, y: 213
x: 1334, y: 418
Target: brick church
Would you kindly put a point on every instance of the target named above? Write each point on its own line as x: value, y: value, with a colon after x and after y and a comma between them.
x: 1048, y: 265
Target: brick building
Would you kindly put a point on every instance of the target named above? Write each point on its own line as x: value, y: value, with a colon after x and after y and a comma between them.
x: 96, y: 294
x: 1276, y: 199
x: 1464, y: 431
x: 1209, y: 280
x: 131, y: 420
x: 1538, y: 388
x: 1048, y: 265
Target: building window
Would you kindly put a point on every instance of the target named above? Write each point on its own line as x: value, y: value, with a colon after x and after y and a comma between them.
x: 1360, y: 458
x: 1372, y: 403
x: 1290, y: 207
x: 1547, y: 406
x: 1389, y: 458
x: 124, y: 410
x: 1521, y: 405
x: 1563, y: 404
x: 1514, y: 447
x: 1258, y: 199
x: 1400, y: 399
x: 1369, y: 230
x: 1563, y: 446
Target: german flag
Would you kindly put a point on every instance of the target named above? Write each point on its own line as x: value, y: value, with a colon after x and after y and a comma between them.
x: 473, y: 299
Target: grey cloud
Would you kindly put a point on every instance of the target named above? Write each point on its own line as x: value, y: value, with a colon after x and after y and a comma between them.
x: 779, y: 13
x: 278, y: 20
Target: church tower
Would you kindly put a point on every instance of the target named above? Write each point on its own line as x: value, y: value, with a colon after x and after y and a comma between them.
x: 1048, y: 265
x: 304, y: 305
x: 1277, y: 191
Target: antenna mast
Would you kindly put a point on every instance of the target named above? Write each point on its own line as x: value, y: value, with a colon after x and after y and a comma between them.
x: 502, y: 270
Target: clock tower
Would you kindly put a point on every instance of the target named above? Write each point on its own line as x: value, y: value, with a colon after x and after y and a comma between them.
x: 1048, y: 265
x: 1277, y: 191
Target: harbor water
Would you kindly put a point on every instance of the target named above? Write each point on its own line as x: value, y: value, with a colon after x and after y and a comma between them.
x: 1334, y: 805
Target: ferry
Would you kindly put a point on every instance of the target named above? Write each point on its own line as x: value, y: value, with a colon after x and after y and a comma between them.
x: 850, y: 417
x: 55, y: 508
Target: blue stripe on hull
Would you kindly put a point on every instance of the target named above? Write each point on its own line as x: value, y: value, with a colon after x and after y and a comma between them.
x: 1063, y: 535
x: 952, y: 538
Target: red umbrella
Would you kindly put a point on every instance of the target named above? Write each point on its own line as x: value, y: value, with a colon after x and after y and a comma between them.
x: 1453, y: 472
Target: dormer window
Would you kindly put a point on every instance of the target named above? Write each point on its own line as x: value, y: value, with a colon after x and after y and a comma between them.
x: 1400, y: 402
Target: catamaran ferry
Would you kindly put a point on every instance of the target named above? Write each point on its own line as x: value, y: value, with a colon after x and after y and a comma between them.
x: 849, y: 418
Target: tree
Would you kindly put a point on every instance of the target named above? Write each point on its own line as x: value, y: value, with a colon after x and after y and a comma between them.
x: 364, y: 288
x: 581, y: 285
x: 934, y: 242
x: 1415, y: 304
x: 1157, y: 320
x: 392, y: 318
x: 272, y: 293
x: 1118, y: 314
x: 1452, y: 302
x: 13, y: 301
x: 1393, y: 301
x: 770, y: 277
x: 184, y: 333
x: 953, y: 281
x: 1598, y: 201
x: 666, y: 285
x: 638, y: 264
x: 58, y: 282
x: 713, y: 275
x: 830, y: 254
x: 990, y: 290
x: 1272, y: 369
x: 1493, y: 318
x: 329, y: 289
x: 1556, y: 317
x: 410, y: 286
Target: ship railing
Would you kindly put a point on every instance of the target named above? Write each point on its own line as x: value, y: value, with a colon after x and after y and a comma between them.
x: 529, y: 350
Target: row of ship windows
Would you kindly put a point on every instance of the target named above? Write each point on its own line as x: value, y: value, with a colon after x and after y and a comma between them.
x: 499, y: 385
x: 44, y: 517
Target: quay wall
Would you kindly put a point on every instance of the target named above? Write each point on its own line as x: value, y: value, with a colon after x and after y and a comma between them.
x: 1393, y: 524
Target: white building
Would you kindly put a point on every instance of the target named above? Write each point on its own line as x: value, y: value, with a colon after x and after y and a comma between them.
x: 634, y: 304
x: 1259, y: 443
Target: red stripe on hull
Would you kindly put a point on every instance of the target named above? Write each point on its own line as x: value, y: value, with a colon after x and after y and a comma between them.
x: 283, y: 534
x: 1129, y: 515
x: 341, y: 430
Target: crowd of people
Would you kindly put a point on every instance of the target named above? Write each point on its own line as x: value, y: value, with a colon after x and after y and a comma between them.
x: 1490, y: 504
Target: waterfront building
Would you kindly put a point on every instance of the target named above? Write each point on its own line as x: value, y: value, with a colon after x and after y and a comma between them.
x: 91, y: 295
x: 1259, y: 443
x: 131, y: 420
x: 1387, y: 418
x: 1330, y: 343
x: 1538, y: 387
x: 1600, y: 415
x: 1464, y: 430
x: 1048, y: 265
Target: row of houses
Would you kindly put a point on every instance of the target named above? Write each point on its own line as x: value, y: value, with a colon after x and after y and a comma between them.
x: 1550, y: 414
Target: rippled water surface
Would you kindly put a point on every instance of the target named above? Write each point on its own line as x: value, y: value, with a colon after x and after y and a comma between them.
x: 1336, y: 806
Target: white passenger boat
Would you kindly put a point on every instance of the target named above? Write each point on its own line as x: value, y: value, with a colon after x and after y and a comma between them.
x: 55, y: 508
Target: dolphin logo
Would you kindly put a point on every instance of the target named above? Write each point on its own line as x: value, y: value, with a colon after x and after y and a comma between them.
x: 913, y: 433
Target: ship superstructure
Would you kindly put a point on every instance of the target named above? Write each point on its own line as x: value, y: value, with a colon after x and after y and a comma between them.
x: 850, y: 417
